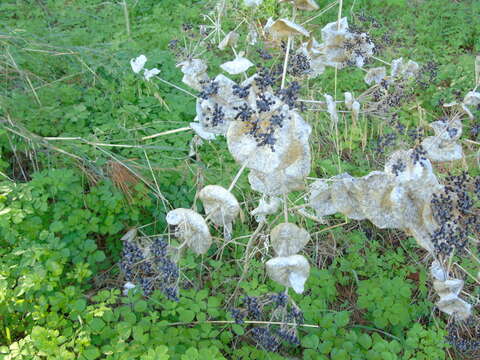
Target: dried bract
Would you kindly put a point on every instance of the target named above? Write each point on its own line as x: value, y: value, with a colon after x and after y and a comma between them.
x: 375, y: 75
x: 283, y: 28
x: 291, y: 271
x: 191, y: 228
x: 443, y: 146
x: 229, y: 40
x: 288, y: 239
x: 237, y: 66
x: 309, y: 5
x: 194, y: 73
x: 220, y: 206
x: 266, y: 206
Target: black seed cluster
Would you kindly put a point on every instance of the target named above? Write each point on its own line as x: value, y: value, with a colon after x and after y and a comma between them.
x: 464, y: 336
x: 264, y: 55
x: 427, y: 74
x: 385, y: 141
x: 245, y: 112
x: 265, y: 79
x: 289, y: 95
x: 264, y: 102
x: 209, y: 88
x: 266, y: 338
x: 217, y: 117
x: 455, y: 214
x: 353, y: 47
x: 398, y: 167
x: 271, y: 307
x: 298, y: 65
x: 418, y: 155
x: 241, y: 92
x: 155, y: 272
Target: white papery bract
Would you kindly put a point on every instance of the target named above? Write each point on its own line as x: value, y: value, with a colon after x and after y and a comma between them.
x: 191, y: 228
x: 336, y: 36
x: 404, y: 70
x: 194, y: 73
x: 309, y: 5
x: 450, y: 302
x: 472, y: 98
x: 375, y: 75
x: 290, y: 271
x: 283, y: 28
x: 217, y: 111
x: 251, y: 3
x: 296, y: 158
x: 229, y: 40
x: 443, y: 146
x: 315, y: 55
x: 148, y: 74
x: 220, y: 206
x: 288, y: 239
x: 331, y: 108
x: 138, y: 63
x: 266, y: 206
x: 237, y: 66
x: 398, y: 197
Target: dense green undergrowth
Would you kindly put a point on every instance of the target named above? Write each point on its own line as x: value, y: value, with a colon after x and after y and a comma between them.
x: 65, y: 203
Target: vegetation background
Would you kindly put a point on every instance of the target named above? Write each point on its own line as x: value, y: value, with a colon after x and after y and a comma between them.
x: 76, y: 175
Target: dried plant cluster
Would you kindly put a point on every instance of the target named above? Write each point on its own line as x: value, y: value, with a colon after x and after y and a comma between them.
x: 258, y: 111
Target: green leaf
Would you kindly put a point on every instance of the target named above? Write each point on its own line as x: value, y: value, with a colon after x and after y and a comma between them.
x: 140, y: 306
x: 186, y: 316
x: 310, y: 341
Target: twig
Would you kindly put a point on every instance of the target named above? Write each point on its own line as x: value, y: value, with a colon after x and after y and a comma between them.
x: 127, y: 18
x: 235, y: 179
x: 168, y: 132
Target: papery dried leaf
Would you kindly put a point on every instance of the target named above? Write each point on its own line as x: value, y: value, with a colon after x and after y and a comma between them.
x: 200, y: 131
x: 308, y: 5
x: 220, y: 205
x: 237, y: 66
x: 194, y: 73
x: 291, y: 271
x: 192, y: 228
x: 138, y: 63
x: 472, y: 98
x: 437, y: 271
x: 283, y: 28
x: 288, y: 239
x: 266, y: 206
x: 331, y: 108
x: 375, y: 75
x: 230, y: 40
x: 296, y: 158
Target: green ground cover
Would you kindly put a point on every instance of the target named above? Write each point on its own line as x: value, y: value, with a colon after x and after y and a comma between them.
x: 76, y: 175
